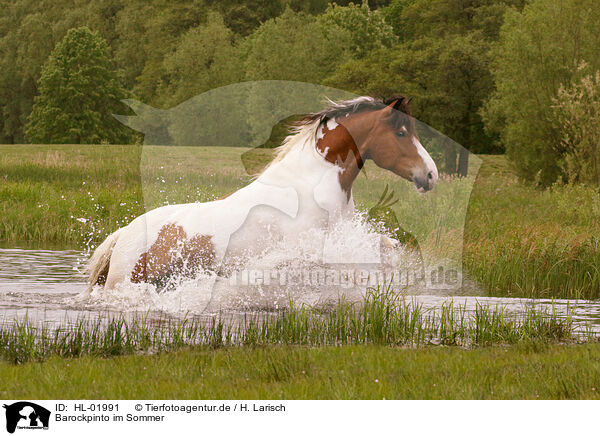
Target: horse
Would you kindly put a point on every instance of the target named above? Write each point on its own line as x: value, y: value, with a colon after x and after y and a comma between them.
x: 308, y: 184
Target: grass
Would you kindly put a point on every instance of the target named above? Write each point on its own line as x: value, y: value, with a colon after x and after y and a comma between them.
x: 518, y: 241
x: 44, y: 190
x: 302, y: 372
x: 381, y: 348
x: 526, y: 242
x: 383, y: 318
x: 515, y: 239
x: 75, y: 195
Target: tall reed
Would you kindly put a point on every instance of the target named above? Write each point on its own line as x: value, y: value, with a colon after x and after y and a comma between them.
x: 384, y: 317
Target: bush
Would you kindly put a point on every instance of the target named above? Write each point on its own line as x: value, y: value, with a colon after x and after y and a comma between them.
x: 539, y: 49
x: 578, y: 110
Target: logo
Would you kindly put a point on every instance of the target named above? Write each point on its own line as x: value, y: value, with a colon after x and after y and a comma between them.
x: 26, y: 415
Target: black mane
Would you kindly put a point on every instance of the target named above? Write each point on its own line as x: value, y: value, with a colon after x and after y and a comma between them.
x: 401, y: 116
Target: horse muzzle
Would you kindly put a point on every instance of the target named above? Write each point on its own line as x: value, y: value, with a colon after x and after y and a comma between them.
x: 425, y: 182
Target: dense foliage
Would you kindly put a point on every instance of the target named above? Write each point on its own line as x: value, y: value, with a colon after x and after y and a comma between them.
x: 552, y: 43
x: 78, y: 92
x: 578, y: 111
x: 483, y: 72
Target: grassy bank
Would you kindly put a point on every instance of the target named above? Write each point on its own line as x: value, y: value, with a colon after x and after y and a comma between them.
x: 71, y: 194
x: 45, y: 189
x: 382, y: 318
x: 518, y: 240
x: 299, y: 372
x: 524, y: 241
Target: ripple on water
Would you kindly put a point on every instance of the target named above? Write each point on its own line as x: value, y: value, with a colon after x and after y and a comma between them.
x: 44, y: 285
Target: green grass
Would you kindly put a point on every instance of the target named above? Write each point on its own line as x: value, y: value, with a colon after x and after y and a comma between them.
x: 45, y: 189
x: 384, y: 317
x: 301, y: 372
x: 526, y: 242
x: 518, y: 240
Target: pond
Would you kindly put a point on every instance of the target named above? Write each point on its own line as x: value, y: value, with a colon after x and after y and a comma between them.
x: 45, y: 285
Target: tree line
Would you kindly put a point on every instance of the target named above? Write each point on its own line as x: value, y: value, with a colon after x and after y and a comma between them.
x: 496, y: 76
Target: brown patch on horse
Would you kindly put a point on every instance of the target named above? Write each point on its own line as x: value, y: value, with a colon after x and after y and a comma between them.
x: 173, y: 252
x: 335, y: 146
x: 384, y: 134
x: 156, y: 262
x: 199, y: 251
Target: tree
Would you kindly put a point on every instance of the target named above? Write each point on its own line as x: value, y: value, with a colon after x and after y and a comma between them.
x: 295, y: 46
x: 243, y: 17
x: 443, y: 62
x: 367, y: 29
x: 24, y: 49
x: 78, y: 93
x: 578, y: 110
x: 206, y: 57
x: 150, y: 31
x: 539, y: 50
x: 412, y: 19
x: 448, y: 80
x: 29, y: 30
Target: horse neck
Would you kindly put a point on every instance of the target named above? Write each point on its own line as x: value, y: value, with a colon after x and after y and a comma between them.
x: 305, y: 168
x: 337, y: 143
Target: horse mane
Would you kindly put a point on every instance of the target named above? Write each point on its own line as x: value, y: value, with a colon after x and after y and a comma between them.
x: 360, y: 104
x: 308, y: 127
x: 299, y: 134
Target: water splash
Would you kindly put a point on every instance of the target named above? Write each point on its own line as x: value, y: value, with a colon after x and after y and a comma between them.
x: 306, y: 268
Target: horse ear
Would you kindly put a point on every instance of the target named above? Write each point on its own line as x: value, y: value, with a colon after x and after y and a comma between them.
x: 397, y: 103
x: 393, y: 104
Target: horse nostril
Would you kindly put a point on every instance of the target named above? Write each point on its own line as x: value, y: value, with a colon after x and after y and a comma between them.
x: 430, y: 175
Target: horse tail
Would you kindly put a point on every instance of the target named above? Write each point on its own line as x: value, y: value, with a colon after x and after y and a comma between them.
x: 97, y: 267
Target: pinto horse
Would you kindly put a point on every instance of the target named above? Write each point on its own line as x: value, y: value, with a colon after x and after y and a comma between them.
x: 307, y: 185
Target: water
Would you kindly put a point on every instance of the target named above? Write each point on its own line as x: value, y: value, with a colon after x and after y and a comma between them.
x: 46, y: 286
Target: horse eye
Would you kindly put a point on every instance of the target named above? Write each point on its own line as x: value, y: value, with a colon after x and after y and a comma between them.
x: 401, y: 134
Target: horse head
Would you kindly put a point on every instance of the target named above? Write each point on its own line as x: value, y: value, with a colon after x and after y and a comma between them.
x: 383, y: 131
